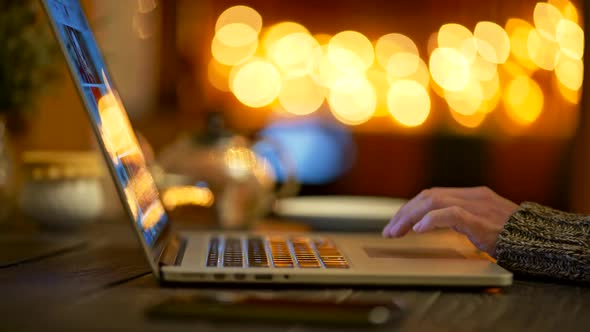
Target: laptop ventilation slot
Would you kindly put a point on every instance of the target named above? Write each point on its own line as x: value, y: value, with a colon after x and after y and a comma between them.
x: 330, y: 255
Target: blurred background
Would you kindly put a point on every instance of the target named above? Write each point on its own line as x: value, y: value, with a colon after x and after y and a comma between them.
x: 380, y: 98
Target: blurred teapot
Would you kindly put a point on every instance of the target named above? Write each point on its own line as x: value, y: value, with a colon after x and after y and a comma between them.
x: 245, y: 176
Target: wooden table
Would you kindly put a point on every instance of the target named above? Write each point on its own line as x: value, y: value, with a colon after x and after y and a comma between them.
x: 103, y: 282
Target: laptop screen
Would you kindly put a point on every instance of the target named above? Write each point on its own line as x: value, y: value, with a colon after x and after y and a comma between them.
x: 109, y: 118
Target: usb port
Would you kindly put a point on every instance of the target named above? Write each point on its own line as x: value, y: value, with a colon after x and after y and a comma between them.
x: 263, y: 276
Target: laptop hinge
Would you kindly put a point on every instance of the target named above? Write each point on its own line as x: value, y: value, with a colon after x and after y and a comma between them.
x: 173, y: 251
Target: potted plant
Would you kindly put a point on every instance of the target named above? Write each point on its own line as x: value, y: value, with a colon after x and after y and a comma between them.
x: 26, y: 55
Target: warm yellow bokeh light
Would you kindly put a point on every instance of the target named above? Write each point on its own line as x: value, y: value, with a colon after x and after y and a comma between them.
x: 326, y: 72
x: 240, y: 14
x: 347, y: 43
x: 408, y: 102
x: 178, y: 196
x: 546, y: 18
x: 236, y: 35
x: 570, y: 72
x: 469, y: 121
x: 256, y: 83
x: 492, y: 42
x: 301, y: 95
x: 402, y: 65
x: 449, y: 69
x: 518, y: 30
x: 392, y: 43
x: 232, y: 51
x: 378, y: 78
x: 322, y: 38
x: 466, y: 101
x: 542, y: 51
x: 218, y: 75
x: 278, y: 31
x: 567, y: 9
x: 458, y: 37
x: 483, y: 70
x: 571, y: 96
x: 490, y: 88
x: 420, y: 75
x: 570, y: 38
x: 523, y: 100
x: 294, y: 54
x: 352, y: 101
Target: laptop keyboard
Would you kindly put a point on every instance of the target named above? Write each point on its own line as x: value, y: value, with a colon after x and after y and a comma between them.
x: 274, y: 251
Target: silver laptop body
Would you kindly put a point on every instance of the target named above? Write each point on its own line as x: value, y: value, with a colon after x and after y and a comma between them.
x: 438, y: 258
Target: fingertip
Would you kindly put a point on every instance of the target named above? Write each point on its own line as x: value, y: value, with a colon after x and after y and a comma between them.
x: 417, y: 227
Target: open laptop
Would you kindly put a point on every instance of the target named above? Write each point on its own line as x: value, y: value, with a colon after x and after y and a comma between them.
x: 242, y: 257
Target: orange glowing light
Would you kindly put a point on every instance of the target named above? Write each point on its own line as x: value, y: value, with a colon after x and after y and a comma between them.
x: 570, y: 38
x: 240, y: 14
x: 301, y: 95
x: 570, y: 72
x: 449, y: 69
x: 567, y: 9
x: 390, y: 44
x: 458, y: 37
x: 352, y: 100
x: 256, y: 83
x: 218, y: 75
x: 174, y: 197
x: 348, y: 49
x: 546, y: 18
x: 542, y: 51
x: 469, y: 121
x: 278, y: 31
x: 492, y: 42
x: 409, y: 103
x: 294, y: 54
x: 402, y: 64
x: 380, y: 82
x: 466, y: 101
x: 523, y: 99
x: 234, y: 43
x: 519, y: 30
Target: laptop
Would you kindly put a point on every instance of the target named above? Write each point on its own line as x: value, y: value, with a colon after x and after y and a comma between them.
x: 243, y: 257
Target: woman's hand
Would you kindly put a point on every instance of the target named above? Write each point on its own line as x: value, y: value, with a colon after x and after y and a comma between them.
x: 477, y: 212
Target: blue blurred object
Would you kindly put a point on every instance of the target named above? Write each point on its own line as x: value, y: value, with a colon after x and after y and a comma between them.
x: 319, y: 151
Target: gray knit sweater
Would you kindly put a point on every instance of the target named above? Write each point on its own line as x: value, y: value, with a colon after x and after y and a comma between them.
x: 544, y: 242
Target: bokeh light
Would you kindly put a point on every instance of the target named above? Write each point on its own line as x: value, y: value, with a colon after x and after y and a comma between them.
x: 402, y: 64
x: 293, y: 54
x: 240, y: 14
x: 378, y: 78
x: 523, y: 99
x: 466, y: 101
x: 469, y: 121
x: 570, y: 38
x: 458, y: 37
x: 229, y: 50
x: 301, y: 95
x: 546, y: 18
x: 518, y: 30
x: 542, y: 51
x: 352, y: 101
x: 278, y: 31
x: 347, y: 48
x: 392, y: 43
x: 449, y: 69
x: 570, y: 72
x: 256, y: 83
x: 492, y: 42
x: 218, y: 75
x: 408, y: 102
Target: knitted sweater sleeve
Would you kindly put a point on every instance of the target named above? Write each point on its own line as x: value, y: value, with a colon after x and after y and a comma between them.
x: 543, y: 242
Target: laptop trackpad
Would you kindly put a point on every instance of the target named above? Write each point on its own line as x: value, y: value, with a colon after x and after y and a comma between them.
x: 413, y: 253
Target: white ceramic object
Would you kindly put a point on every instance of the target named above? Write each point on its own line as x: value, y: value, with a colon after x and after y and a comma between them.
x: 63, y: 202
x: 348, y: 213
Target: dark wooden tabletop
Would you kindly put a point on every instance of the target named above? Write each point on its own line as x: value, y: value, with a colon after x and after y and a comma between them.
x: 97, y: 278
